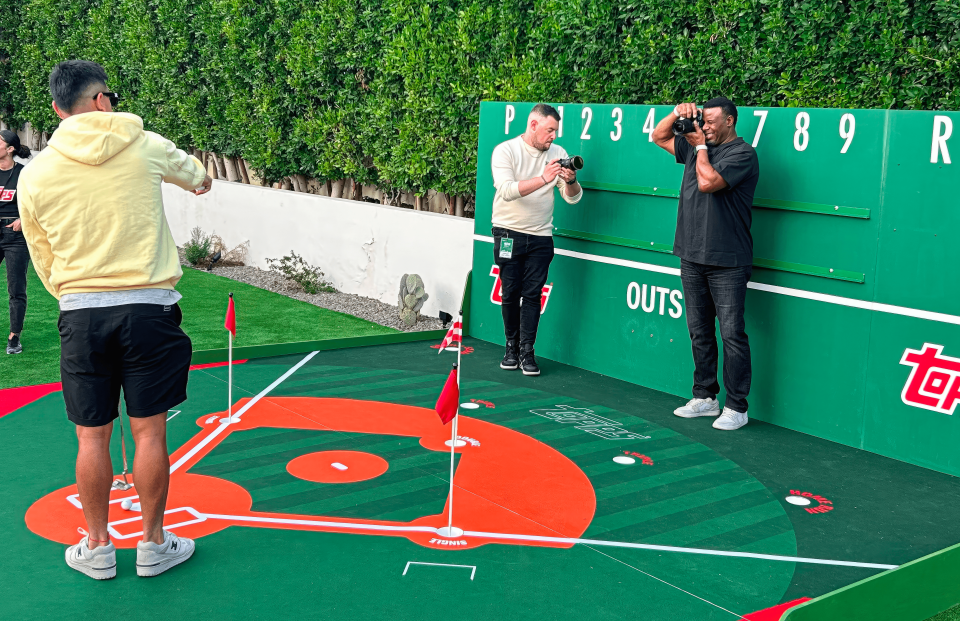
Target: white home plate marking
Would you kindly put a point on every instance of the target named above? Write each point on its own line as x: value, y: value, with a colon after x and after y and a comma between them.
x: 623, y: 459
x: 338, y: 465
x: 800, y: 501
x: 470, y: 406
x: 471, y: 567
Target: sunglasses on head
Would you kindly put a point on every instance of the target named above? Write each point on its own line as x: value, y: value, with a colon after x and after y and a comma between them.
x: 113, y: 97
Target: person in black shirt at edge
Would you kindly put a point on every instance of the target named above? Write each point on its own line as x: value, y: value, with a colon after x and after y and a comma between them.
x: 715, y: 247
x: 13, y: 247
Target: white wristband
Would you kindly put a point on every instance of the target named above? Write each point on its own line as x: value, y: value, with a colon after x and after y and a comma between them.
x: 701, y: 147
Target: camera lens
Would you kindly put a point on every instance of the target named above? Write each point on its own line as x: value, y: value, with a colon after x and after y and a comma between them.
x: 572, y: 163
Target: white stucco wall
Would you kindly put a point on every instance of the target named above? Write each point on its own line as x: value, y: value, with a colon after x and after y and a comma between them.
x: 362, y: 248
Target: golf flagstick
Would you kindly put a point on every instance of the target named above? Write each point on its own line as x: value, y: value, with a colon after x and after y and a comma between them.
x: 450, y: 531
x: 230, y: 323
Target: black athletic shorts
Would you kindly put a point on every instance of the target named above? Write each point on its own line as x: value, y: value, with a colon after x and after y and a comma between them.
x: 139, y: 347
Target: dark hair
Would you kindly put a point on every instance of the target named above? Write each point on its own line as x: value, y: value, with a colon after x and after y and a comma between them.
x: 70, y: 79
x: 13, y: 140
x: 729, y: 108
x: 545, y: 110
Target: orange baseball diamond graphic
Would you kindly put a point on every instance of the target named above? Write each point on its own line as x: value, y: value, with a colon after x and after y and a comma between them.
x: 510, y: 488
x: 496, y: 295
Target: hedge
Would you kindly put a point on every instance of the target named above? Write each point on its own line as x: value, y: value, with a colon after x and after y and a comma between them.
x: 387, y: 93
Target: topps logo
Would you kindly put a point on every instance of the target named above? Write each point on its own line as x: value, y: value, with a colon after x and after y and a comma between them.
x: 934, y: 382
x: 496, y: 295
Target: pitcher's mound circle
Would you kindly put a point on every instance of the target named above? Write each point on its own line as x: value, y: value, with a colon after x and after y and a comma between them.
x: 337, y: 466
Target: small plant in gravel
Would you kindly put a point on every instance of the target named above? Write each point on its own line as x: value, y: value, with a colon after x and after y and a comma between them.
x: 294, y: 268
x: 198, y: 248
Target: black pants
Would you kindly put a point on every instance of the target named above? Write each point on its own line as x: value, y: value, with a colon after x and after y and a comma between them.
x: 713, y: 293
x: 13, y: 252
x: 139, y: 347
x: 522, y: 277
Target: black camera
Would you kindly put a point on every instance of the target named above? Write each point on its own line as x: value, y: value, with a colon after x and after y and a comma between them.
x: 574, y: 162
x: 685, y: 126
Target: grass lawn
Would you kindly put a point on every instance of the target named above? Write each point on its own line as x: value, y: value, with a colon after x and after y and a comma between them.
x: 263, y: 317
x: 950, y: 615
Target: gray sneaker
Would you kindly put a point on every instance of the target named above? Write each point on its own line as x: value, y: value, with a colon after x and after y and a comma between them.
x: 14, y: 346
x: 153, y: 559
x: 99, y: 563
x: 698, y: 407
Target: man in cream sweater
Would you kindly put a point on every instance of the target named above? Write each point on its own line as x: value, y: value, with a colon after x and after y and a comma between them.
x: 525, y: 172
x: 93, y: 219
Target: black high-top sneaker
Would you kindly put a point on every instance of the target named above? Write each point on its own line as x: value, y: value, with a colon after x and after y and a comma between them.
x: 510, y: 360
x: 528, y: 363
x: 14, y: 346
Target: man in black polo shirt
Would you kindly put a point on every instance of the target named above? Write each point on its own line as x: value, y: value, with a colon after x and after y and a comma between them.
x: 715, y: 247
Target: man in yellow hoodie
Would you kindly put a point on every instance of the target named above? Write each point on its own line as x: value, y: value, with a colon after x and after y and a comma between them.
x: 92, y: 215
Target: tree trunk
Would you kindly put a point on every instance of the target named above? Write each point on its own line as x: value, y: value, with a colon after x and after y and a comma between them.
x: 337, y: 188
x: 286, y: 184
x: 221, y: 167
x: 357, y: 191
x: 458, y: 206
x: 301, y: 180
x: 242, y: 168
x: 44, y: 137
x: 212, y: 166
x: 417, y: 203
x: 329, y: 188
x: 231, y: 168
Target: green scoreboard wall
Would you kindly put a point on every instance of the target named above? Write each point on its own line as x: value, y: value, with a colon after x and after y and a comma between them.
x: 853, y: 312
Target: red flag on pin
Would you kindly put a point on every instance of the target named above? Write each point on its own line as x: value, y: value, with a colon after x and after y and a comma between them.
x: 449, y: 398
x: 230, y: 323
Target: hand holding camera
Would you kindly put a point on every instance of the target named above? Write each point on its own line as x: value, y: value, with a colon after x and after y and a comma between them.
x: 551, y: 171
x: 690, y: 123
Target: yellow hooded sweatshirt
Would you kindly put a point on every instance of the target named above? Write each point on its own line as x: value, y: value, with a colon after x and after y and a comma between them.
x: 91, y: 208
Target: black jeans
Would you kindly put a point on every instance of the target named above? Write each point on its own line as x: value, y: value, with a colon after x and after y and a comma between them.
x: 522, y: 277
x: 711, y: 293
x: 13, y: 252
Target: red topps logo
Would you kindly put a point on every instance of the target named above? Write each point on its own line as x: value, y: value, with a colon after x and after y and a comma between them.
x: 934, y: 382
x: 496, y: 296
x: 6, y: 195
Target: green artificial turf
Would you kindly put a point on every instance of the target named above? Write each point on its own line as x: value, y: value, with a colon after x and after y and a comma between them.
x: 949, y: 615
x: 263, y: 317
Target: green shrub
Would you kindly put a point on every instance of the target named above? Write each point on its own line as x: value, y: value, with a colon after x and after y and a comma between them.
x: 388, y: 93
x: 198, y: 248
x: 309, y: 278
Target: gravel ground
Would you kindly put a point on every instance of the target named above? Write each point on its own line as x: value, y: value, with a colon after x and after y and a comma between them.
x: 358, y: 306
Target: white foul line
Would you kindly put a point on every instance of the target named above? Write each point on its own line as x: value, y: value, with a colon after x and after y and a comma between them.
x: 409, y: 563
x: 175, y: 412
x: 647, y: 546
x: 796, y: 293
x: 224, y: 423
x: 354, y: 526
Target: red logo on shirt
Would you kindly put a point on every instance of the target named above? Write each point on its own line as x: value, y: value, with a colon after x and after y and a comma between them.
x: 7, y: 195
x: 934, y: 382
x: 496, y: 296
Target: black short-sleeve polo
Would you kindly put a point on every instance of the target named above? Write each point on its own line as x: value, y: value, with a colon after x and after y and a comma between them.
x: 714, y: 229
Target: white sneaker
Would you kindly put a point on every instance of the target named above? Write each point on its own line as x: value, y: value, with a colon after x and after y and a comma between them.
x: 153, y: 559
x: 99, y: 563
x: 730, y: 420
x: 698, y: 407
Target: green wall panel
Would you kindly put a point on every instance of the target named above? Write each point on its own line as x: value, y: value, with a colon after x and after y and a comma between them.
x: 851, y: 215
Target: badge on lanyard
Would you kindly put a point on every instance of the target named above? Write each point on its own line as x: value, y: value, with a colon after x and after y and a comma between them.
x: 506, y: 248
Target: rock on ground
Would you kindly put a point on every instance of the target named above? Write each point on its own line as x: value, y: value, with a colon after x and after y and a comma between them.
x: 366, y: 308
